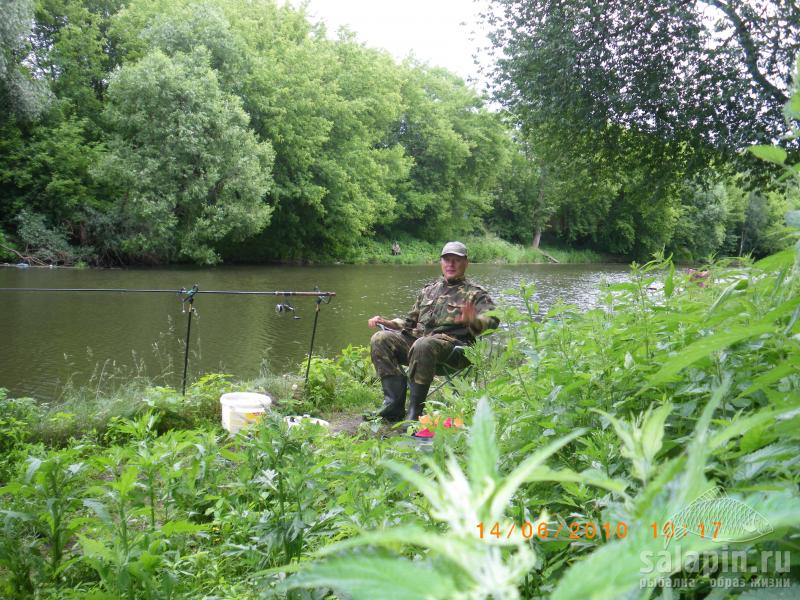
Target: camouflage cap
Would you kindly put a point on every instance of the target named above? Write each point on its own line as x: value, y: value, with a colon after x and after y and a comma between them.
x: 456, y: 248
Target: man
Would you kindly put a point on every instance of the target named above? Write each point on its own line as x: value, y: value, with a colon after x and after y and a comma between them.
x: 447, y: 313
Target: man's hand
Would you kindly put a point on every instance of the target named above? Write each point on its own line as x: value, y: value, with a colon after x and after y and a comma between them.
x: 468, y: 314
x: 378, y: 320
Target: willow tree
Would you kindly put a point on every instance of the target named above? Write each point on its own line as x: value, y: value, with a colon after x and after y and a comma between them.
x: 21, y: 93
x: 186, y: 169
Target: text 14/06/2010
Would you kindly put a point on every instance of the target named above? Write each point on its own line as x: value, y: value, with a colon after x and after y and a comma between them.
x: 544, y: 530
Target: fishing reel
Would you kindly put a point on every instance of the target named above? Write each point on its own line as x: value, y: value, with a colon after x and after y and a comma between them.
x: 323, y: 298
x: 187, y: 297
x: 285, y: 307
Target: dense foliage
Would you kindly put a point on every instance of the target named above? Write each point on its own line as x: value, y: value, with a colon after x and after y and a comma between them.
x: 152, y: 131
x: 169, y: 131
x: 715, y: 72
x: 587, y: 435
x: 624, y: 414
x: 636, y: 115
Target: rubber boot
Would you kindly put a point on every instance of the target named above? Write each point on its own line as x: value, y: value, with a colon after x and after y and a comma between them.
x: 394, y: 399
x: 416, y: 404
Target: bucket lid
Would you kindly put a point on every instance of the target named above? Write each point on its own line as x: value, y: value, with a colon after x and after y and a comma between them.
x: 245, y: 399
x: 293, y: 420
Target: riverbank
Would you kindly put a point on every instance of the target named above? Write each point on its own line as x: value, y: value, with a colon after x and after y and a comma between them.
x: 338, y: 388
x: 482, y: 249
x: 96, y: 338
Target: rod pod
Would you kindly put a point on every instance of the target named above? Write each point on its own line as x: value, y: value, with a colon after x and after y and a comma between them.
x: 187, y: 297
x: 322, y: 297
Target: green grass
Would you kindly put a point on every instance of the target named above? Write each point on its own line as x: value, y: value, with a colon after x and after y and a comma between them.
x: 86, y: 410
x: 491, y: 249
x: 482, y: 249
x: 335, y: 385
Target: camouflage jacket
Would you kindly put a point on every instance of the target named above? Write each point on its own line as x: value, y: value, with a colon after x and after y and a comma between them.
x: 439, y: 303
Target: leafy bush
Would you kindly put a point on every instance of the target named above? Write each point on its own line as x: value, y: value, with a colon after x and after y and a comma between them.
x: 355, y: 361
x: 6, y: 247
x: 17, y: 417
x: 44, y: 243
x: 322, y: 379
x: 341, y: 384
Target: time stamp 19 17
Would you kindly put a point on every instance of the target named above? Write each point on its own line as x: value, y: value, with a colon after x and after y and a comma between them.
x: 590, y: 530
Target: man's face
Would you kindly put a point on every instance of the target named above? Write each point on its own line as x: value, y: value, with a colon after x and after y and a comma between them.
x: 453, y: 266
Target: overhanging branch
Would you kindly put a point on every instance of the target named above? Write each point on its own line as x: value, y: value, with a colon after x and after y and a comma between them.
x: 749, y: 49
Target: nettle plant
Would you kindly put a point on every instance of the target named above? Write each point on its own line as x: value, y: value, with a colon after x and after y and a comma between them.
x: 457, y: 560
x: 622, y: 568
x: 39, y: 524
x: 452, y: 562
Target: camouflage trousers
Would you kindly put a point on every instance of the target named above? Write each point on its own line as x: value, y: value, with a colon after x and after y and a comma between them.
x: 391, y: 349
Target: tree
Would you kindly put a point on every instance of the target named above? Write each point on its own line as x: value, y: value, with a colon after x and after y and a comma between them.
x: 46, y: 153
x: 236, y: 129
x: 622, y: 202
x: 640, y: 97
x: 762, y: 227
x: 323, y: 105
x: 525, y: 199
x: 46, y: 169
x: 21, y: 95
x: 700, y: 227
x: 458, y: 148
x: 715, y: 72
x: 186, y: 170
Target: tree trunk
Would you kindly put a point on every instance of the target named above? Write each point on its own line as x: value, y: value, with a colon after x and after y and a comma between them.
x: 537, y: 237
x: 537, y: 230
x: 741, y: 238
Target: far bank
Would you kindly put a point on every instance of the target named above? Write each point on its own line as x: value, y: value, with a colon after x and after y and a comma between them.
x: 482, y: 249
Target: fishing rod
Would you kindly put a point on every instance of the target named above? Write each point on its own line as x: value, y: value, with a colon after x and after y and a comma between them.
x: 153, y: 291
x: 188, y: 297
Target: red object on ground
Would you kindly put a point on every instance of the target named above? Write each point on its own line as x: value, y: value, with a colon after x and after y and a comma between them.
x: 427, y: 433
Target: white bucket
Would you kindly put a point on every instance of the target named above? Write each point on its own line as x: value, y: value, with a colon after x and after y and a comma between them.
x: 241, y: 409
x: 294, y: 420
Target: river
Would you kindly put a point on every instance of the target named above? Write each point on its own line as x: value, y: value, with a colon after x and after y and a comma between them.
x: 52, y: 339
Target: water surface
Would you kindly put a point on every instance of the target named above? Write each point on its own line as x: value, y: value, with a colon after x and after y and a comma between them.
x: 48, y: 339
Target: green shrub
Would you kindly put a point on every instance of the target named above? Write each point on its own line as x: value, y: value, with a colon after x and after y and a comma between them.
x: 46, y: 244
x: 341, y: 384
x: 18, y: 416
x: 355, y: 361
x: 322, y: 376
x: 6, y: 248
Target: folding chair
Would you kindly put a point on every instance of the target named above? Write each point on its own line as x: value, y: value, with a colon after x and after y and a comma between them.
x: 448, y: 371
